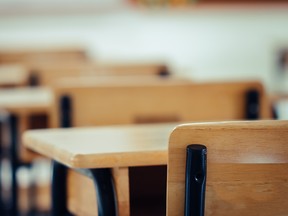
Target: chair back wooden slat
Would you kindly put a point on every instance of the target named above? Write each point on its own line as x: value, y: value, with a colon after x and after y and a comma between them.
x: 247, y: 167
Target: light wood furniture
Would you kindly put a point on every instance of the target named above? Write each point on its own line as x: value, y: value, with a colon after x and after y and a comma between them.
x: 32, y: 55
x: 12, y: 75
x: 22, y: 104
x: 48, y: 73
x: 22, y: 101
x: 246, y: 167
x: 116, y: 147
x: 96, y: 147
x: 130, y: 101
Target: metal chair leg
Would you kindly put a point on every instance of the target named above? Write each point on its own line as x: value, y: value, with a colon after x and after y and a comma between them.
x: 13, y: 122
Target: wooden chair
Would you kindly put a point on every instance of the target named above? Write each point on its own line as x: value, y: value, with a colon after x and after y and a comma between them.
x: 123, y: 101
x: 44, y: 54
x: 47, y: 74
x: 128, y: 101
x: 247, y: 169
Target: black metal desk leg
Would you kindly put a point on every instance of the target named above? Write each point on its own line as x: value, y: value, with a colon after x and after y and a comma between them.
x: 2, y: 122
x: 106, y: 196
x: 13, y: 123
x: 59, y: 191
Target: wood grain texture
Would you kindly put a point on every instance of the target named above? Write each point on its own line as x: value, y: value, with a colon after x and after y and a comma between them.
x: 247, y: 167
x: 125, y: 101
x: 100, y: 147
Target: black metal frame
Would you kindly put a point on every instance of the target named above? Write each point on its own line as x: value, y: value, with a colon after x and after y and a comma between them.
x: 102, y: 178
x: 59, y: 202
x: 195, y: 182
x: 33, y: 79
x: 14, y: 160
x: 252, y: 109
x: 106, y: 196
x: 3, y: 121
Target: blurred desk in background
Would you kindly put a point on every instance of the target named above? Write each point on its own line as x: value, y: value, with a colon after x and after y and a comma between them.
x: 13, y: 75
x: 24, y: 103
x: 25, y: 108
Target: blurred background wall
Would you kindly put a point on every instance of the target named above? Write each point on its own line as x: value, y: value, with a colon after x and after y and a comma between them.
x: 204, y: 43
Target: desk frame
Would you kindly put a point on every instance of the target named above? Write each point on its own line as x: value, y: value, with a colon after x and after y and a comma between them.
x: 102, y: 177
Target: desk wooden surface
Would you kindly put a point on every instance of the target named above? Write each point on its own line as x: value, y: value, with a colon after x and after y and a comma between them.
x: 20, y: 100
x: 100, y: 147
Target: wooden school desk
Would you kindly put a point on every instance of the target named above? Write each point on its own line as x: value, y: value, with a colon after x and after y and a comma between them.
x: 128, y: 101
x: 20, y: 104
x: 88, y: 151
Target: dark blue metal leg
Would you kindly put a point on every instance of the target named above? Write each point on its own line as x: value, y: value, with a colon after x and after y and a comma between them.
x: 13, y: 122
x: 103, y: 181
x: 59, y: 191
x: 104, y: 185
x: 33, y: 78
x: 2, y: 210
x: 195, y: 183
x: 106, y: 196
x: 59, y: 171
x: 252, y: 104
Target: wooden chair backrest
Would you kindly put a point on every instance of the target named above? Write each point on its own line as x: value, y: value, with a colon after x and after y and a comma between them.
x: 247, y: 170
x: 13, y: 75
x: 48, y: 74
x: 130, y: 68
x: 127, y: 101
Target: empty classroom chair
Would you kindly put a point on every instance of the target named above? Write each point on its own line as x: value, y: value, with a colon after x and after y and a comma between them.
x: 128, y: 101
x: 236, y: 168
x: 106, y: 102
x: 46, y: 73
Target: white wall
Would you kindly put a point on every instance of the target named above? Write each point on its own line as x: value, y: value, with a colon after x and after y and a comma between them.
x: 205, y: 44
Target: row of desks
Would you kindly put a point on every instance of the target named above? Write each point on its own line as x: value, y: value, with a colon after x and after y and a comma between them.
x: 91, y: 148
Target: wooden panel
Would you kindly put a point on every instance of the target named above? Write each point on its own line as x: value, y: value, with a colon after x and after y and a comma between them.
x: 82, y: 196
x: 45, y: 54
x: 48, y: 73
x: 12, y: 75
x: 23, y: 102
x: 126, y: 101
x: 26, y: 100
x: 247, y: 167
x: 130, y: 68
